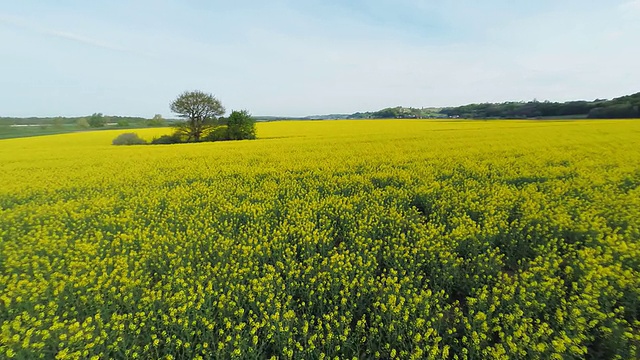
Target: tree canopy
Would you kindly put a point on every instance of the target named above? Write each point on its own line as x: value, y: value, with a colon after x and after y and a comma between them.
x: 240, y: 126
x: 97, y: 120
x: 200, y: 110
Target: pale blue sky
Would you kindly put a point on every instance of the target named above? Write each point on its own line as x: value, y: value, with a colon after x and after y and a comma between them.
x: 287, y: 57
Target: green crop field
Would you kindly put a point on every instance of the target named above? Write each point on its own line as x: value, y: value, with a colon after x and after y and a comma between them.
x: 399, y: 239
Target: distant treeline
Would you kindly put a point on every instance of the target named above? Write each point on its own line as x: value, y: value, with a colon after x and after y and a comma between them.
x: 96, y: 120
x: 399, y: 112
x: 618, y: 108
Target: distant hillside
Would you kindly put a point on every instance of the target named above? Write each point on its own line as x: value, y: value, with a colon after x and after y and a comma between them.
x: 397, y: 112
x: 311, y: 117
x: 618, y: 108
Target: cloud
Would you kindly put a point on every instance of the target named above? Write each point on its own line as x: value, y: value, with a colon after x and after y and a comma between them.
x: 514, y: 59
x: 297, y: 58
x: 32, y: 26
x: 82, y: 39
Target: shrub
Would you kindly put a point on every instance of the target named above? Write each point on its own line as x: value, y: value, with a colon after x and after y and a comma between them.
x: 174, y: 138
x: 128, y: 139
x: 82, y: 123
x: 218, y: 133
x: 123, y: 123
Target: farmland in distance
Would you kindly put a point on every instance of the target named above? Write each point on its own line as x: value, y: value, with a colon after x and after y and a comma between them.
x: 390, y: 239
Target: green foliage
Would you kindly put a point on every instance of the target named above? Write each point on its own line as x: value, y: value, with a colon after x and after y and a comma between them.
x: 156, y: 121
x: 123, y: 123
x: 67, y: 121
x: 200, y: 111
x: 616, y: 111
x: 397, y: 113
x: 622, y: 107
x: 174, y: 138
x: 58, y: 123
x: 241, y: 126
x: 218, y: 133
x: 97, y: 120
x: 82, y: 123
x: 128, y: 139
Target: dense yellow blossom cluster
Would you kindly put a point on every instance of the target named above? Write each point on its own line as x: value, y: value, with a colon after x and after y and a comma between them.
x: 325, y: 240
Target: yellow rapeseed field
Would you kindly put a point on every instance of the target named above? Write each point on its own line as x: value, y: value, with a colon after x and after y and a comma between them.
x: 325, y: 240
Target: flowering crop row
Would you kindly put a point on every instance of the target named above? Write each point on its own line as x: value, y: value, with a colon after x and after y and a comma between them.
x: 325, y: 240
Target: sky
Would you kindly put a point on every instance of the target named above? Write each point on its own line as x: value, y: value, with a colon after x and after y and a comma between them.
x: 298, y: 57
